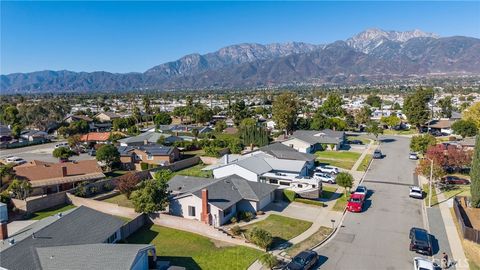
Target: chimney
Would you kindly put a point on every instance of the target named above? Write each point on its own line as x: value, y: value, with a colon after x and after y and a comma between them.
x: 3, y: 230
x: 64, y: 171
x: 205, y: 217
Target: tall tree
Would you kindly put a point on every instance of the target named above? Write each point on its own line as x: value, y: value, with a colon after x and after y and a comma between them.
x: 126, y: 183
x: 162, y: 118
x: 284, y: 110
x: 63, y: 153
x: 109, y: 154
x: 421, y: 143
x: 475, y: 175
x: 374, y: 128
x: 465, y: 128
x: 363, y: 115
x: 332, y: 107
x: 473, y: 113
x: 152, y: 195
x: 374, y: 101
x: 416, y: 108
x: 20, y: 189
x: 446, y: 105
x: 345, y: 180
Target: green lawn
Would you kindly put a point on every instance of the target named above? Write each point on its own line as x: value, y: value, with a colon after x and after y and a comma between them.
x: 399, y: 132
x: 327, y: 192
x: 51, y: 211
x: 434, y: 195
x: 193, y: 251
x: 310, y: 242
x: 282, y: 228
x: 116, y: 173
x: 456, y: 190
x: 342, y: 159
x: 341, y: 202
x: 364, y: 164
x: 121, y: 200
x: 360, y: 138
x: 195, y: 171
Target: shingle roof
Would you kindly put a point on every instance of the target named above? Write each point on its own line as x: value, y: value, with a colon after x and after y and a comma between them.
x: 223, y: 192
x: 77, y: 227
x: 322, y: 136
x: 38, y: 171
x: 92, y: 256
x: 154, y: 150
x: 151, y: 137
x: 255, y: 164
x: 279, y: 150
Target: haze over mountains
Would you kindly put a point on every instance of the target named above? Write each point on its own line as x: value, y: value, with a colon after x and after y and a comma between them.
x: 372, y: 55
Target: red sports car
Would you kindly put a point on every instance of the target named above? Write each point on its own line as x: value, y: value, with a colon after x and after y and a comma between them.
x: 454, y: 180
x: 355, y: 203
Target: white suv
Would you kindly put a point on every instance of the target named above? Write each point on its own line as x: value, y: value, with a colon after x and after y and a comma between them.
x: 324, y: 178
x: 327, y: 169
x: 15, y: 160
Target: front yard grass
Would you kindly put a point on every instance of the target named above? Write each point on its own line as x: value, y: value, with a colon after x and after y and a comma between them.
x: 341, y: 202
x: 434, y: 195
x: 327, y: 192
x: 456, y: 190
x: 310, y: 242
x: 193, y: 251
x: 399, y: 132
x: 121, y: 200
x: 51, y: 211
x: 195, y: 171
x: 364, y: 164
x: 282, y: 228
x: 342, y: 159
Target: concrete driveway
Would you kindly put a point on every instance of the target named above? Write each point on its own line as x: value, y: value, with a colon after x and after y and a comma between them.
x: 378, y: 237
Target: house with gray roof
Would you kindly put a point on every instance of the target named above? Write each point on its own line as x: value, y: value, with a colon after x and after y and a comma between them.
x: 80, y: 238
x: 310, y: 141
x: 216, y: 201
x: 150, y: 137
x: 154, y: 154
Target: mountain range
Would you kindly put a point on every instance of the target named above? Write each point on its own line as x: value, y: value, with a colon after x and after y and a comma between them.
x: 372, y: 55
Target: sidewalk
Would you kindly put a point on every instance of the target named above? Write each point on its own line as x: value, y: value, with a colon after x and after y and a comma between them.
x: 456, y: 247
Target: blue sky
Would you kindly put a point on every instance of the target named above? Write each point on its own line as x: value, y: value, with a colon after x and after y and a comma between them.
x: 134, y: 36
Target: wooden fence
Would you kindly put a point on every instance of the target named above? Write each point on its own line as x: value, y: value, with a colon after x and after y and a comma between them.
x: 468, y: 231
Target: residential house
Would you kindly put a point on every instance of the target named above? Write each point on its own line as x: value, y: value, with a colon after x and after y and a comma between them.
x: 80, y: 238
x: 216, y: 201
x: 442, y: 125
x: 95, y: 137
x: 261, y: 167
x: 282, y: 151
x: 5, y: 134
x: 149, y: 138
x: 107, y: 116
x: 47, y: 177
x: 75, y: 118
x: 34, y: 135
x: 154, y: 154
x: 310, y: 141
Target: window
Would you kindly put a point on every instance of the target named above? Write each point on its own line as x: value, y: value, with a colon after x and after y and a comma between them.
x: 191, y: 211
x: 273, y: 181
x: 149, y: 157
x: 300, y: 186
x: 112, y: 238
x: 284, y: 183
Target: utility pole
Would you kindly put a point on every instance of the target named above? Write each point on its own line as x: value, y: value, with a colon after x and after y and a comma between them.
x: 430, y: 184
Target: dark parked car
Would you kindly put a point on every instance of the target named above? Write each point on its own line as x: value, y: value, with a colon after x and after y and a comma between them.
x: 454, y: 180
x: 355, y: 142
x: 420, y: 241
x: 377, y: 154
x: 303, y: 261
x: 92, y: 152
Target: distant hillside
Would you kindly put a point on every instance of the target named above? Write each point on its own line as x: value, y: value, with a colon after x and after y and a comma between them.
x: 373, y: 55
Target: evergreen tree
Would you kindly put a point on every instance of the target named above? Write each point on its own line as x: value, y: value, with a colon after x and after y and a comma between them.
x: 475, y: 175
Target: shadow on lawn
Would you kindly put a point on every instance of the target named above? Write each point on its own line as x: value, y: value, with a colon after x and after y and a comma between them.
x: 187, y: 262
x: 144, y: 235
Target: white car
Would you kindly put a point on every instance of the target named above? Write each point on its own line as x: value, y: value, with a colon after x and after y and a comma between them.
x: 15, y: 160
x: 413, y: 156
x: 324, y: 178
x: 420, y: 263
x: 416, y: 192
x: 361, y: 190
x: 327, y: 169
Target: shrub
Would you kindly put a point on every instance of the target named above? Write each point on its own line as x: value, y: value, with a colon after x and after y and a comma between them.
x: 236, y: 230
x: 93, y: 190
x: 268, y: 260
x: 144, y: 166
x: 233, y: 220
x: 289, y: 195
x: 308, y: 201
x: 81, y: 190
x: 260, y: 237
x: 107, y: 186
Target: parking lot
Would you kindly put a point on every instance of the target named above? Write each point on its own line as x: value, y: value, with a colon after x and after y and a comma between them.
x: 41, y: 152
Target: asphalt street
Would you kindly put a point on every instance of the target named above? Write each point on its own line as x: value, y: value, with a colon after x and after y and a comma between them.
x: 378, y: 237
x: 38, y: 152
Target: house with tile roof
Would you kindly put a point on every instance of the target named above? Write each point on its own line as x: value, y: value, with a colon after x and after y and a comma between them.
x: 47, y: 177
x: 95, y: 137
x: 216, y: 201
x: 80, y: 238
